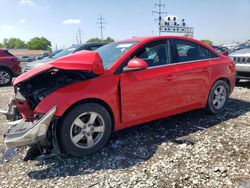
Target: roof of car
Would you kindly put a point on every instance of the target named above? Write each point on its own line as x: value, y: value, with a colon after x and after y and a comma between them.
x: 2, y: 50
x: 87, y: 44
x: 155, y: 38
x: 149, y: 38
x: 95, y: 43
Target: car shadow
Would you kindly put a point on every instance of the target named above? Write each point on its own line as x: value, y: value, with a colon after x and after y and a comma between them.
x: 135, y: 145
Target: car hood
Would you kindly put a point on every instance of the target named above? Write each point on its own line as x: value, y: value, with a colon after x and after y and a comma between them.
x: 243, y: 52
x: 84, y: 60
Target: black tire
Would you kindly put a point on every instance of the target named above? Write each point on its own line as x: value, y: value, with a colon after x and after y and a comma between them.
x: 68, y: 127
x: 211, y: 107
x: 8, y: 73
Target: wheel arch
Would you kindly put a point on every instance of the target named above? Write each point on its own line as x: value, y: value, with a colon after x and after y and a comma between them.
x: 223, y: 79
x: 216, y: 80
x: 91, y: 100
x: 6, y: 68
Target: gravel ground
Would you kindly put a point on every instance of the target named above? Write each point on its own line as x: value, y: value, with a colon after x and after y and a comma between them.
x: 193, y: 149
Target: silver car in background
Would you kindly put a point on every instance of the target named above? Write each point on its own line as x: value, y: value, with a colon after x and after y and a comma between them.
x: 242, y: 60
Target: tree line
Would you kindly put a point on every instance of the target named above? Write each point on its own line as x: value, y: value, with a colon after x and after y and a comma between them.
x: 36, y: 43
x: 108, y: 39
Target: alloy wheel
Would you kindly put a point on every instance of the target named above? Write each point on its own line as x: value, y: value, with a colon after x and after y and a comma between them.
x: 4, y: 77
x: 219, y: 97
x: 87, y: 130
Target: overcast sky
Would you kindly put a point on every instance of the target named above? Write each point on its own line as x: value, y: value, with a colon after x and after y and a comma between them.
x: 222, y: 21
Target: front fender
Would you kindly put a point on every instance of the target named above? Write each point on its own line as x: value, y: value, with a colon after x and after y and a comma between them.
x: 101, y: 88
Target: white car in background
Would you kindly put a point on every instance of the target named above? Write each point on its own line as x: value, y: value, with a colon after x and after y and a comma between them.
x: 242, y: 60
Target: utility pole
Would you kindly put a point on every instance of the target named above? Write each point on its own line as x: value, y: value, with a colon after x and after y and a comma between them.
x: 79, y: 36
x: 101, y: 22
x: 159, y: 13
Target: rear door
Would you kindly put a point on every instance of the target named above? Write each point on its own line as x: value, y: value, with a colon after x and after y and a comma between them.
x: 193, y: 71
x: 151, y: 93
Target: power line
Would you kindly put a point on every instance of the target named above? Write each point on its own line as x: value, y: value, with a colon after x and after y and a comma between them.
x: 160, y: 6
x: 79, y: 35
x: 101, y: 22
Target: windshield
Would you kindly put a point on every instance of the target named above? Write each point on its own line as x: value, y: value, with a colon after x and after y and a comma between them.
x: 111, y: 52
x: 65, y: 52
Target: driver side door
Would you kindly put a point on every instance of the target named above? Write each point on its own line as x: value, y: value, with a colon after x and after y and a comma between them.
x: 150, y: 93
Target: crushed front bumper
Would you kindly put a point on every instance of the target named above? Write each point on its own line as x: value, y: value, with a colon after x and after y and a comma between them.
x: 21, y: 132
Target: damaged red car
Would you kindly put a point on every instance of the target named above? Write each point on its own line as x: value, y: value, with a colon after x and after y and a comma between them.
x: 75, y: 102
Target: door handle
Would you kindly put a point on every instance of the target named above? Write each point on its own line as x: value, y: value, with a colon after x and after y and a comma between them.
x: 169, y: 77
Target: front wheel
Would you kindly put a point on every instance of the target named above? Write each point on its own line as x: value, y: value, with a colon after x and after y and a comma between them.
x: 85, y: 129
x: 218, y: 97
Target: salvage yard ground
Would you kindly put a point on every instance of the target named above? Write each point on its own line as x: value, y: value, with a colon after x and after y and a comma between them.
x: 193, y: 149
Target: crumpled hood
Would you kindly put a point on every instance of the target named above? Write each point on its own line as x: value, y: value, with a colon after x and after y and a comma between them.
x: 84, y: 60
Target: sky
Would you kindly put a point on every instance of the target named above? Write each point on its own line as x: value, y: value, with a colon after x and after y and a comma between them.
x: 222, y: 21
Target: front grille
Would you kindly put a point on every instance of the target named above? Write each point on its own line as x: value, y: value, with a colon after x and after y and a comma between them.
x: 242, y: 60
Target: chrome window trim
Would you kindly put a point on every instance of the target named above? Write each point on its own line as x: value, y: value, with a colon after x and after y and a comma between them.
x: 183, y: 62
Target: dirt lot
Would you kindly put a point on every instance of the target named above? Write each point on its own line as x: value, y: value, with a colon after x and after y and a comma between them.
x: 189, y: 150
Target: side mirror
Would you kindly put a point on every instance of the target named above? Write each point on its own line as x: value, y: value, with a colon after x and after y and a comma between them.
x: 135, y: 64
x: 225, y: 53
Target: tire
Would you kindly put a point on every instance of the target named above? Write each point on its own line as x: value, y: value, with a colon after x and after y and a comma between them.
x: 83, y: 122
x: 5, y: 77
x: 218, y: 97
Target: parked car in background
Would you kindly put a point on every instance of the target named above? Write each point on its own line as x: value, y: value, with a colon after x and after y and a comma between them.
x: 72, y: 49
x: 26, y: 58
x: 47, y: 55
x: 78, y: 100
x: 9, y: 67
x: 241, y: 46
x: 242, y: 59
x: 222, y: 50
x: 230, y: 47
x: 54, y: 53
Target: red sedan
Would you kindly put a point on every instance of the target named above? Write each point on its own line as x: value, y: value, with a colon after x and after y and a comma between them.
x: 75, y: 102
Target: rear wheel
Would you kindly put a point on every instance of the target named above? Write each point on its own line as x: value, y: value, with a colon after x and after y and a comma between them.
x: 5, y: 77
x: 85, y: 129
x: 218, y: 97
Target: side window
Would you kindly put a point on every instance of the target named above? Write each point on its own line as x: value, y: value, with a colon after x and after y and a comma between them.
x: 189, y: 51
x: 155, y: 54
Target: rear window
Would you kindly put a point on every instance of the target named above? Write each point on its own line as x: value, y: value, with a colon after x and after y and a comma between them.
x: 190, y: 51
